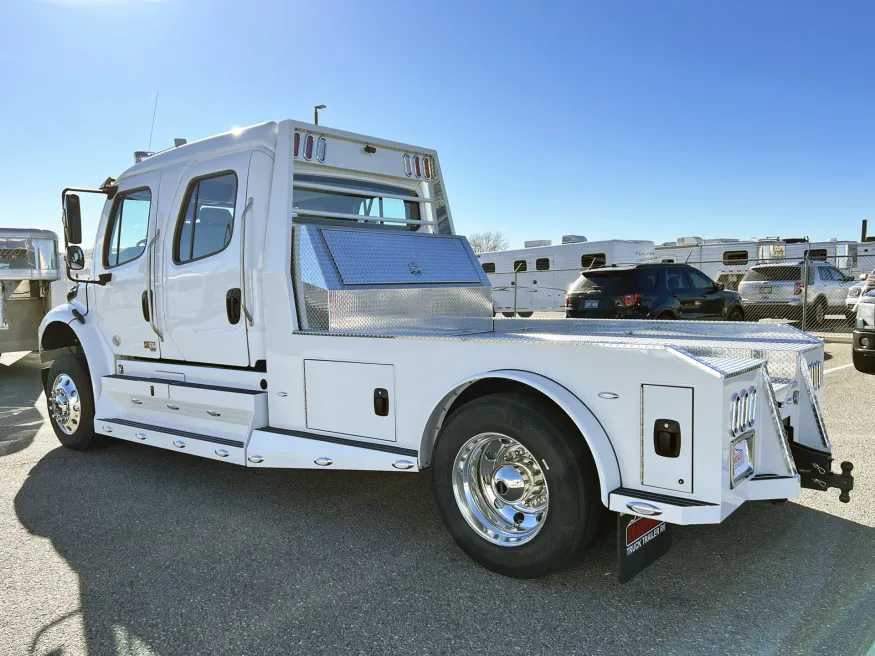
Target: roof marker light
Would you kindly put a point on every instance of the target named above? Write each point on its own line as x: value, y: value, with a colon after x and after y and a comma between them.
x: 426, y: 165
x: 408, y: 169
x: 309, y: 141
x: 321, y: 149
x: 417, y: 167
x: 297, y: 142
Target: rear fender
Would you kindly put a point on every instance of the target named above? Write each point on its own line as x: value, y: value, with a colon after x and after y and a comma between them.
x: 589, y: 426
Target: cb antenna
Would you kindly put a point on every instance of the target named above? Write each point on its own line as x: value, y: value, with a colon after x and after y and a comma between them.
x: 152, y: 129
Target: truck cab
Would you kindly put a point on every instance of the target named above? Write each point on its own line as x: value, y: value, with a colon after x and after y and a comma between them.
x: 294, y: 296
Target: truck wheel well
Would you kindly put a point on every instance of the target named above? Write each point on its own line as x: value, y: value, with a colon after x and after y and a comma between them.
x: 58, y: 335
x: 478, y: 389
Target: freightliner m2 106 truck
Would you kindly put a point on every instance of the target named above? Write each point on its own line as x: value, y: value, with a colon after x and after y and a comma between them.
x: 294, y: 296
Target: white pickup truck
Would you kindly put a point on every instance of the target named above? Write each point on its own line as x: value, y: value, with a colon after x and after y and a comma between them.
x: 294, y: 296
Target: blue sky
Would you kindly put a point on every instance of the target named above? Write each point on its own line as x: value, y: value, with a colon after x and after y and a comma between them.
x: 613, y: 119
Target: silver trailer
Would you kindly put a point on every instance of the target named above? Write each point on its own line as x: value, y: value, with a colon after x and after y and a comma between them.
x: 28, y: 266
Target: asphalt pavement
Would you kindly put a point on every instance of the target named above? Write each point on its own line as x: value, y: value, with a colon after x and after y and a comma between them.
x: 132, y: 550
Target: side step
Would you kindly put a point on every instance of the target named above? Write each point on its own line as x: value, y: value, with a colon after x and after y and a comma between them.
x: 206, y: 446
x: 293, y: 449
x: 675, y: 510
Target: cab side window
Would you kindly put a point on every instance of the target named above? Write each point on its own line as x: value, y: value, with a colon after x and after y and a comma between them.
x: 128, y: 227
x: 206, y: 221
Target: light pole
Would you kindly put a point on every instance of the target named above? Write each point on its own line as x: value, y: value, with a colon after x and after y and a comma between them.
x: 316, y: 109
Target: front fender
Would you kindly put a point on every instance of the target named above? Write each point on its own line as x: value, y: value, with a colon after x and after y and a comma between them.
x: 596, y: 438
x: 97, y: 352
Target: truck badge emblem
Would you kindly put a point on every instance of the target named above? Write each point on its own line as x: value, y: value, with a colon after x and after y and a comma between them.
x: 116, y: 340
x: 415, y: 269
x: 152, y: 346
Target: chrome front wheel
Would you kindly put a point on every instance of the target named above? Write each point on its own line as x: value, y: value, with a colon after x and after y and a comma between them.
x: 65, y: 405
x: 500, y: 489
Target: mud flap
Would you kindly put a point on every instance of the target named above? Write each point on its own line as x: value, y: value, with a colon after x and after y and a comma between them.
x: 640, y: 541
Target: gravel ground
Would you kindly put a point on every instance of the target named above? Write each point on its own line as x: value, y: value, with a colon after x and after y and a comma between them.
x: 131, y: 550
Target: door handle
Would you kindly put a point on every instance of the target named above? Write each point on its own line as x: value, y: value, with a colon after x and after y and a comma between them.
x: 232, y: 305
x: 381, y: 402
x: 147, y: 301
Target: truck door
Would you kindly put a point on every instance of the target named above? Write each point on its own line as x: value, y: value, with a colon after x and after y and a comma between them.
x: 121, y: 251
x: 203, y: 312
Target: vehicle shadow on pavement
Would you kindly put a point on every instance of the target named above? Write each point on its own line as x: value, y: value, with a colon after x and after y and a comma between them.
x: 20, y: 421
x: 179, y: 555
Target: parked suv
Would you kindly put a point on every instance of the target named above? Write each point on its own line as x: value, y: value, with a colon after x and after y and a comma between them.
x: 777, y: 291
x: 855, y: 293
x: 651, y: 291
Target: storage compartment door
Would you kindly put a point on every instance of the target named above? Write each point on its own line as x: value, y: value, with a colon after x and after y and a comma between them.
x: 351, y: 398
x: 667, y: 437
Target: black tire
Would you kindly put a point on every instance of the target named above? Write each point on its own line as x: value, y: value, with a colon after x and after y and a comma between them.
x: 864, y: 364
x: 82, y: 437
x: 526, y: 315
x: 507, y: 315
x: 665, y: 316
x: 735, y: 314
x: 851, y: 318
x: 817, y: 315
x: 575, y: 509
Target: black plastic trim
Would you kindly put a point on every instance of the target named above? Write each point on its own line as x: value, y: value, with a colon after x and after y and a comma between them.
x: 770, y: 477
x: 660, y: 498
x: 401, y: 451
x: 178, y: 433
x: 179, y: 383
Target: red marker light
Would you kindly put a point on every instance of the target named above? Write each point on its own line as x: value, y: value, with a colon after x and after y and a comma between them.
x: 417, y: 166
x: 297, y: 142
x: 426, y: 165
x: 308, y: 146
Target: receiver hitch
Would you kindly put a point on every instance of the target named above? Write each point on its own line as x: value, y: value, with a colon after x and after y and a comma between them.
x: 815, y: 471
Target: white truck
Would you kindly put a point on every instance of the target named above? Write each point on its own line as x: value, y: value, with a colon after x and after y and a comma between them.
x: 294, y: 296
x: 537, y: 277
x: 28, y: 266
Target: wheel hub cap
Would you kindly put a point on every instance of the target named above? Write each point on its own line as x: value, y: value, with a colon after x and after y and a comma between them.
x: 500, y: 489
x: 64, y: 404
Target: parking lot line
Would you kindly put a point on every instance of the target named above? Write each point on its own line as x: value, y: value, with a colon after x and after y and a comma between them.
x: 844, y: 366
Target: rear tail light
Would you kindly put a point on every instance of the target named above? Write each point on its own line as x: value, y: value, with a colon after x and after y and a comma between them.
x: 417, y: 166
x: 297, y: 142
x: 309, y: 141
x: 798, y: 288
x: 567, y: 301
x: 631, y: 300
x: 426, y: 166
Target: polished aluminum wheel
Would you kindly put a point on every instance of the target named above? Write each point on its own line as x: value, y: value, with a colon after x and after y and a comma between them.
x: 65, y: 405
x: 501, y: 489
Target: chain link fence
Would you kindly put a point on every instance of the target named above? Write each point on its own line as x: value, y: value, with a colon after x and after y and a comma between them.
x: 817, y: 294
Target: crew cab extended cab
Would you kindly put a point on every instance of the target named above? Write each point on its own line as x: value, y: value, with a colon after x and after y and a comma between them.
x: 294, y: 296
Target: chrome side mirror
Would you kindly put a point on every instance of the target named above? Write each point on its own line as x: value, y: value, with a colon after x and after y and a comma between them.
x: 75, y: 258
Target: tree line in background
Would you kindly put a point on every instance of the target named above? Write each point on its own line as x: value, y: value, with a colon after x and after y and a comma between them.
x: 486, y: 242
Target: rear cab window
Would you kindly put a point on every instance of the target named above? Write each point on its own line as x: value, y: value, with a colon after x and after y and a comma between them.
x: 333, y: 200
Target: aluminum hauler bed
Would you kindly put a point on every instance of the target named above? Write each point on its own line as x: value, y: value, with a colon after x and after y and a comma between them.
x: 331, y: 319
x: 28, y: 264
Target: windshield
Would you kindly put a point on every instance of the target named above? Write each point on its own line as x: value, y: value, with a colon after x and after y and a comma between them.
x: 773, y: 273
x: 374, y: 200
x: 616, y: 283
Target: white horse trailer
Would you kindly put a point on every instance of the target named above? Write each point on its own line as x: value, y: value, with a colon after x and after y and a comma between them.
x: 28, y: 266
x: 725, y: 260
x: 530, y: 279
x: 294, y: 296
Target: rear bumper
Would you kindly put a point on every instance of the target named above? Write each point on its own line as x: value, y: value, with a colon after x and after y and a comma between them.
x: 785, y: 310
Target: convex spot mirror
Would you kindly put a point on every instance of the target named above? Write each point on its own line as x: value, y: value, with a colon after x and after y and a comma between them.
x: 72, y: 219
x: 720, y: 286
x: 75, y: 258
